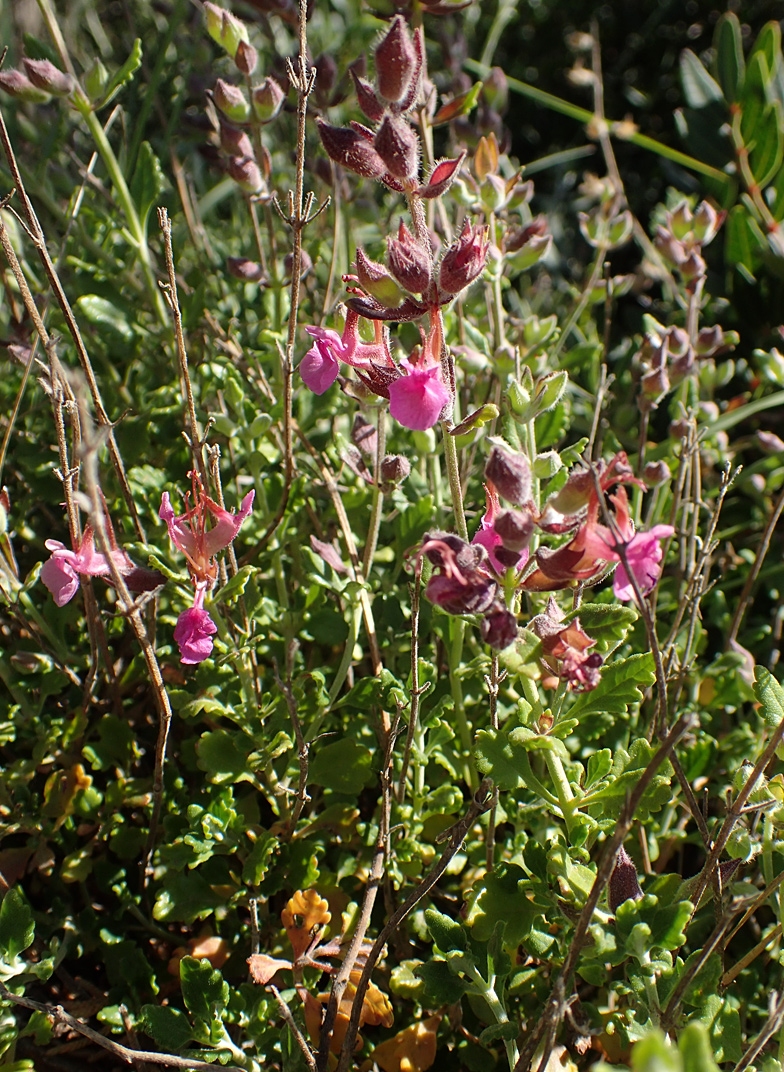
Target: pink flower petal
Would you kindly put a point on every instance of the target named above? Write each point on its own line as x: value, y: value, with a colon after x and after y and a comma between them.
x: 193, y: 633
x: 418, y: 397
x: 59, y: 575
x: 319, y: 368
x: 227, y: 525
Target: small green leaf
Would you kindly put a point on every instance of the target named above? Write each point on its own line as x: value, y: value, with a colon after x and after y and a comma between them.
x: 445, y: 932
x: 344, y: 766
x: 729, y: 62
x: 124, y: 74
x: 17, y: 929
x: 167, y: 1027
x: 442, y: 986
x: 147, y: 182
x: 235, y: 586
x: 698, y: 86
x: 620, y: 686
x: 606, y: 623
x: 109, y: 319
x: 756, y: 97
x: 204, y: 990
x: 695, y: 1048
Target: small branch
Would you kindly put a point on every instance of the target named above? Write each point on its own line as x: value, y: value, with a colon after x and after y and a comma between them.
x: 124, y: 1053
x: 479, y: 804
x: 286, y: 1013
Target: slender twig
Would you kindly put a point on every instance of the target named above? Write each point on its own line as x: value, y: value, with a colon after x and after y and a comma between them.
x: 124, y: 1053
x: 182, y: 354
x: 375, y: 878
x: 456, y: 836
x: 36, y: 234
x: 546, y: 1027
x: 286, y: 1013
x: 302, y: 746
x: 415, y: 590
x: 762, y: 549
x: 769, y: 1028
x: 720, y: 930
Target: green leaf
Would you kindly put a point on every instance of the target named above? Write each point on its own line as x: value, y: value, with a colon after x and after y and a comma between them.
x: 167, y: 1027
x: 743, y: 246
x: 124, y: 74
x: 503, y: 897
x: 443, y: 987
x: 698, y: 86
x: 204, y: 990
x: 224, y: 755
x: 235, y: 586
x: 185, y: 897
x: 755, y: 98
x: 17, y: 929
x: 503, y: 754
x: 695, y: 1048
x: 445, y: 932
x: 345, y: 766
x: 112, y: 322
x: 729, y: 62
x: 606, y: 623
x: 626, y: 771
x: 621, y: 685
x: 771, y: 697
x: 720, y: 1017
x: 147, y: 182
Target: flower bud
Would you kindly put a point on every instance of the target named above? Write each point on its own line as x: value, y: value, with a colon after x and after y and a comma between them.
x: 246, y: 173
x: 655, y: 473
x: 394, y: 470
x: 46, y: 76
x: 515, y: 528
x: 364, y: 435
x: 499, y: 628
x: 246, y: 58
x: 624, y: 884
x: 231, y: 101
x: 18, y: 85
x: 267, y: 100
x: 351, y: 150
x: 472, y: 594
x: 245, y: 270
x: 95, y: 80
x: 305, y: 264
x: 371, y: 106
x: 397, y: 62
x: 465, y: 260
x: 376, y: 280
x: 707, y: 222
x: 510, y: 473
x: 234, y: 142
x: 397, y: 143
x: 224, y: 28
x: 770, y: 443
x: 409, y: 261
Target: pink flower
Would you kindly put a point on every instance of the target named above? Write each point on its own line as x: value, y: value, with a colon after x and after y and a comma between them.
x: 644, y: 555
x: 643, y: 550
x: 417, y: 398
x: 320, y: 366
x: 501, y: 555
x: 189, y: 531
x: 194, y: 630
x: 60, y: 572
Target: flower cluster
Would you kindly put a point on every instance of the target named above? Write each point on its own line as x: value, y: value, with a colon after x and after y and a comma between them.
x: 195, y: 629
x: 412, y: 283
x: 60, y: 573
x: 565, y: 653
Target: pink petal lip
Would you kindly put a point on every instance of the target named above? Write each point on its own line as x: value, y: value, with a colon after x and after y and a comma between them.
x: 417, y: 398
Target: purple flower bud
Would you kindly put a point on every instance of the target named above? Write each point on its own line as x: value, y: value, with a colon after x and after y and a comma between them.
x: 397, y: 62
x: 515, y: 528
x: 510, y: 473
x: 246, y: 58
x: 305, y: 264
x: 234, y: 142
x: 246, y: 173
x: 351, y: 150
x: 397, y: 143
x: 465, y: 260
x: 231, y: 101
x: 471, y: 594
x: 394, y: 470
x: 409, y: 261
x: 655, y: 473
x: 46, y: 76
x: 707, y: 222
x: 624, y: 884
x: 371, y: 106
x: 364, y: 435
x: 499, y: 628
x: 267, y: 100
x: 16, y: 84
x: 245, y: 270
x: 376, y: 280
